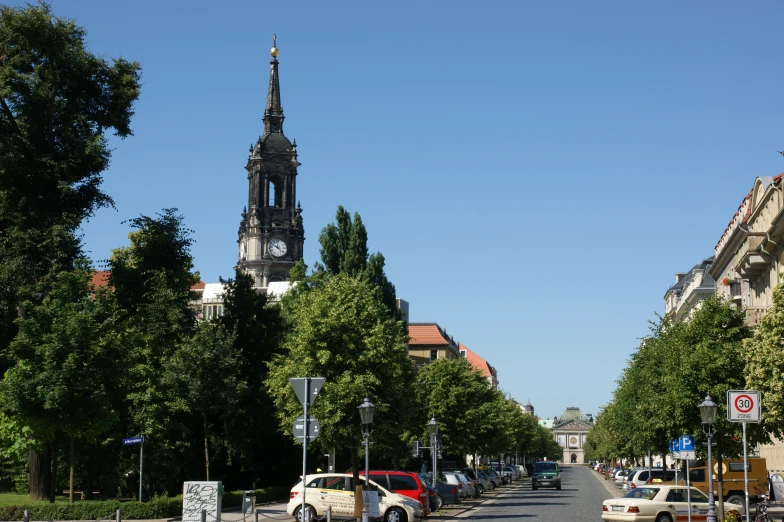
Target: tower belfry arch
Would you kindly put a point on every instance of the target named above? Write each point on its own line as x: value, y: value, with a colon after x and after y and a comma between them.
x: 271, y: 235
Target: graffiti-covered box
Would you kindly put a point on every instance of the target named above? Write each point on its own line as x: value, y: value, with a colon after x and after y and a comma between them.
x: 198, y: 496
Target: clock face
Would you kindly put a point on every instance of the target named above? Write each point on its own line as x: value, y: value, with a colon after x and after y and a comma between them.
x: 277, y: 247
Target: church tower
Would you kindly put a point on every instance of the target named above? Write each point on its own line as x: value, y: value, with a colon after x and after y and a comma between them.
x: 271, y: 236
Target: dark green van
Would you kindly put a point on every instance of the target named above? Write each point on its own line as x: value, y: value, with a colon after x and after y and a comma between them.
x: 546, y: 475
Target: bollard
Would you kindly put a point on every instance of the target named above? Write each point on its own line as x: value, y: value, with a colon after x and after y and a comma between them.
x: 26, y: 515
x: 329, y: 514
x: 203, y: 515
x: 257, y: 515
x: 119, y: 516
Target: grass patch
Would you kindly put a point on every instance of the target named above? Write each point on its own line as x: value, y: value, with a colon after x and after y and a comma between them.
x: 13, y: 499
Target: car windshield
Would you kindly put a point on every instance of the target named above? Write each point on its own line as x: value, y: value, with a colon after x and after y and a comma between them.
x: 642, y: 493
x: 545, y: 466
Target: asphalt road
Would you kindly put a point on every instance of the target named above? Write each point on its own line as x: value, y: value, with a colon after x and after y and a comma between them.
x: 580, y: 500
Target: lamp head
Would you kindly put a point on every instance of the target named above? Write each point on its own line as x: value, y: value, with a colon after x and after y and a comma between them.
x: 708, y: 410
x: 432, y: 426
x: 366, y: 410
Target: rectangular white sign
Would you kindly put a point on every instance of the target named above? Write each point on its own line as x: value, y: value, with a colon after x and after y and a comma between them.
x: 198, y: 496
x: 743, y: 406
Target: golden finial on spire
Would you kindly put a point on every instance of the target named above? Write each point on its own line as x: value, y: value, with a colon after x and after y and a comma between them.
x: 274, y: 50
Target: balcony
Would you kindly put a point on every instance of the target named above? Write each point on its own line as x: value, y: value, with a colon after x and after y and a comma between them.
x: 750, y: 261
x: 754, y: 314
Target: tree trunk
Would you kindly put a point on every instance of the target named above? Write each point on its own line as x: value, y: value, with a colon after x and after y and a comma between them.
x: 39, y: 479
x: 206, y: 446
x: 73, y: 463
x: 54, y: 459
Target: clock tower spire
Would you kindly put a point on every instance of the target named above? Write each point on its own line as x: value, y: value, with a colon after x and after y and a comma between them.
x: 271, y: 236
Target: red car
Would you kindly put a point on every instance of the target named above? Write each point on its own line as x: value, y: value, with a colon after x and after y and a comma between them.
x: 403, y: 483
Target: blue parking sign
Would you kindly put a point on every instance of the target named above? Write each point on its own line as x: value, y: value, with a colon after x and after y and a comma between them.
x: 674, y: 446
x: 687, y: 443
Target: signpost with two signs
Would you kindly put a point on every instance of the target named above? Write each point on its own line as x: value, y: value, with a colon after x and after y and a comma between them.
x: 306, y: 427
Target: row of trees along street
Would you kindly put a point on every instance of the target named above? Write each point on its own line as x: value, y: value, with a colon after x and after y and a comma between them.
x: 84, y: 368
x: 672, y: 370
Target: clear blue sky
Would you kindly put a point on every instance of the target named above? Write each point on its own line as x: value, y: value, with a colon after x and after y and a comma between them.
x: 534, y: 172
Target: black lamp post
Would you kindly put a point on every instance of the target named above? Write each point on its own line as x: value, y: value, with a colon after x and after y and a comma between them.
x: 432, y: 427
x: 708, y: 414
x: 366, y: 410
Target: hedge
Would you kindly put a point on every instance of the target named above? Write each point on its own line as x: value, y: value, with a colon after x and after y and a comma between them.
x: 156, y: 508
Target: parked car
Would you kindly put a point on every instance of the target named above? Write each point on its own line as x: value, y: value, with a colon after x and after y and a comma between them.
x: 547, y: 474
x: 468, y: 484
x: 494, y: 477
x: 643, y: 476
x: 404, y: 483
x: 485, y: 484
x: 446, y: 494
x: 451, y: 478
x: 522, y: 471
x: 336, y: 490
x: 660, y: 503
x: 512, y: 472
x: 618, y: 477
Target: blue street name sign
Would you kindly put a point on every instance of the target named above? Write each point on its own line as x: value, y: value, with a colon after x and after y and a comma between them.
x: 133, y: 440
x: 687, y: 443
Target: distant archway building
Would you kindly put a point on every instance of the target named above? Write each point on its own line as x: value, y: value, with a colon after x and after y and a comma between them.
x: 570, y: 431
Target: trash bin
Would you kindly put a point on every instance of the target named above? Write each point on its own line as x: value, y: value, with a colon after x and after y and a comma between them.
x: 248, y: 502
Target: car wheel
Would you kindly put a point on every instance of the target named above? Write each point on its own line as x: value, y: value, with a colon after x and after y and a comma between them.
x: 395, y: 515
x: 558, y: 487
x: 481, y: 489
x: 298, y: 513
x: 664, y: 517
x: 736, y: 499
x: 534, y: 487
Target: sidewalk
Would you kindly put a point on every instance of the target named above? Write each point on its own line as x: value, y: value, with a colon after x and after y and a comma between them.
x: 614, y: 490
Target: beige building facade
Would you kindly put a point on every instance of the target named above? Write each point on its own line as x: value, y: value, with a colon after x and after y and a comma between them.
x: 748, y: 263
x: 570, y: 431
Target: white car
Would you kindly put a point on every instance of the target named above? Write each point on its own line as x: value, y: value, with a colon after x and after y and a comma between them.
x: 663, y: 503
x: 337, y: 490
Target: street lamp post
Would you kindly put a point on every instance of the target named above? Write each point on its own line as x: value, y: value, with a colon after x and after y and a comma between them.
x: 708, y: 414
x: 432, y: 426
x: 366, y: 410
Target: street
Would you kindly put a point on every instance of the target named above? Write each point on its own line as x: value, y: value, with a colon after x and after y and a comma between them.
x: 580, y: 499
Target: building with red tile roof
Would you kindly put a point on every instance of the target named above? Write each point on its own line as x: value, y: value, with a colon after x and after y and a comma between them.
x: 480, y: 364
x: 429, y: 342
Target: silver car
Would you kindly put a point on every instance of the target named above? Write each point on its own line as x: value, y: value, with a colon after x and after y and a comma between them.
x: 468, y: 485
x: 451, y: 478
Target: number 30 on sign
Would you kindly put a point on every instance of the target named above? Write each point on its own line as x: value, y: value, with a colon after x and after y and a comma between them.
x: 743, y: 406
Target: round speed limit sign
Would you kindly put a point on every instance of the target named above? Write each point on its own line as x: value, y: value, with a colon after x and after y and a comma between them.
x: 743, y: 406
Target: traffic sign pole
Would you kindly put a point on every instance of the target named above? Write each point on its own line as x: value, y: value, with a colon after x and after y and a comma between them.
x: 141, y: 463
x: 744, y: 406
x: 305, y: 517
x: 745, y: 469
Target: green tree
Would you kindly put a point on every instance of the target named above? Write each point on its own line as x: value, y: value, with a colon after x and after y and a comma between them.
x: 251, y: 426
x: 765, y: 364
x: 669, y: 375
x: 57, y: 102
x: 344, y: 251
x: 151, y: 282
x: 63, y: 383
x: 341, y: 330
x: 203, y: 377
x: 456, y: 394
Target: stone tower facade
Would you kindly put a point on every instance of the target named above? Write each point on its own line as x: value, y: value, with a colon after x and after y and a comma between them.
x: 271, y: 236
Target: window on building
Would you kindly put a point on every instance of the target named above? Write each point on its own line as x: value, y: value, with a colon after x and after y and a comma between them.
x: 462, y: 353
x: 433, y: 355
x: 211, y: 311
